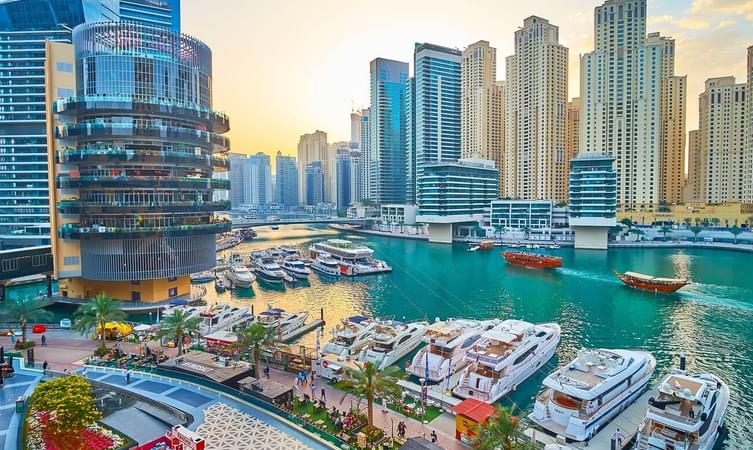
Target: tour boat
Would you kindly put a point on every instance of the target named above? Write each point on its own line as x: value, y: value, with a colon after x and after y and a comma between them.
x: 533, y: 260
x: 326, y: 265
x: 295, y: 267
x: 447, y: 344
x: 486, y: 245
x: 506, y: 356
x: 585, y: 395
x: 284, y: 324
x: 651, y: 283
x: 221, y: 316
x: 353, y: 259
x: 269, y: 271
x: 241, y: 276
x: 391, y: 341
x: 350, y: 337
x: 202, y: 277
x: 687, y: 414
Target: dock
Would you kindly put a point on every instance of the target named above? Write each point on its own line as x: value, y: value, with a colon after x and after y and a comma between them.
x: 437, y: 392
x: 306, y: 328
x: 627, y: 421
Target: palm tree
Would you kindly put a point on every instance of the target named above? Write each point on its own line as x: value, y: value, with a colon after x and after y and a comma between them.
x: 177, y: 325
x: 24, y: 312
x: 96, y: 314
x: 627, y: 222
x: 696, y: 230
x: 735, y: 230
x: 254, y: 338
x: 500, y: 432
x: 637, y: 232
x: 498, y: 230
x: 370, y: 382
x: 687, y: 221
x: 665, y: 230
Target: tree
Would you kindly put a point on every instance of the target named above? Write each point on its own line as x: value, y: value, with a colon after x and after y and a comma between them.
x: 627, y: 222
x: 687, y: 221
x: 715, y: 221
x: 367, y: 202
x: 665, y: 230
x: 96, y: 314
x: 498, y: 230
x: 696, y: 230
x: 501, y: 432
x: 637, y: 232
x: 254, y: 338
x: 369, y: 382
x: 24, y: 312
x: 735, y: 232
x: 177, y: 325
x: 69, y: 407
x: 527, y: 231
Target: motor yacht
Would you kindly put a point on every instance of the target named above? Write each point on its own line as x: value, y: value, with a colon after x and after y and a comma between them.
x: 687, y: 414
x: 350, y: 337
x: 189, y: 311
x: 290, y: 251
x: 295, y: 267
x: 241, y: 276
x: 353, y: 258
x: 202, y: 277
x: 447, y: 342
x: 326, y: 265
x: 391, y: 341
x: 277, y: 253
x: 506, y: 356
x: 284, y: 324
x: 222, y: 317
x: 583, y: 396
x: 269, y: 271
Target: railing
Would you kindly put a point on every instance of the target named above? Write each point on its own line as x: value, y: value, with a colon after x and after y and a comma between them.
x: 122, y: 131
x: 68, y: 182
x: 128, y: 155
x: 75, y: 231
x: 84, y: 207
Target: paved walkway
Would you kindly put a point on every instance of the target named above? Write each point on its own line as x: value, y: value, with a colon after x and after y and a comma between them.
x: 21, y: 384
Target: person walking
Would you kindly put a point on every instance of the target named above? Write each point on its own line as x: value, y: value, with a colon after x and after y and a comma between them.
x: 266, y: 371
x: 128, y: 376
x: 44, y: 340
x: 324, y: 395
x: 433, y: 436
x: 618, y: 437
x: 313, y: 390
x: 45, y: 365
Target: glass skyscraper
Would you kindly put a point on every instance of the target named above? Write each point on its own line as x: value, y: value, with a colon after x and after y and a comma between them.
x: 286, y: 181
x: 155, y: 13
x: 25, y: 26
x: 314, y: 183
x: 258, y: 188
x: 386, y: 150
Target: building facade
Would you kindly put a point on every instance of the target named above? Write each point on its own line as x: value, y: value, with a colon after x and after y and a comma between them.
x: 314, y: 183
x: 343, y: 179
x: 410, y: 141
x: 386, y: 153
x: 748, y: 168
x: 311, y: 147
x: 155, y: 13
x: 258, y: 190
x: 672, y: 145
x: 133, y: 162
x: 592, y: 205
x: 536, y: 157
x: 286, y: 181
x: 365, y: 149
x: 693, y: 191
x: 237, y: 179
x: 398, y: 214
x: 521, y: 214
x: 573, y: 127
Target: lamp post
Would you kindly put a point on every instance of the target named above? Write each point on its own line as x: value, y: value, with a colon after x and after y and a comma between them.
x: 423, y: 399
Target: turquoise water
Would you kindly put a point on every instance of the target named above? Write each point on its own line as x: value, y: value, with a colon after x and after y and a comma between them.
x: 710, y: 320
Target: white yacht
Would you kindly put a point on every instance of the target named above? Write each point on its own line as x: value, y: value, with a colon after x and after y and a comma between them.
x: 189, y: 311
x: 688, y: 413
x: 447, y: 344
x: 202, y: 277
x: 268, y: 270
x: 277, y: 253
x: 391, y: 341
x: 295, y: 267
x: 326, y: 265
x: 222, y: 317
x: 350, y: 337
x: 241, y: 276
x: 506, y: 356
x: 290, y: 251
x: 580, y: 398
x: 353, y: 258
x: 283, y: 323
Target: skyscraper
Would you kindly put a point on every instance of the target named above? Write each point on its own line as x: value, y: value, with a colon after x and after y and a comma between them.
x: 155, y: 13
x: 386, y: 152
x: 482, y: 104
x: 624, y: 97
x: 722, y: 130
x: 258, y: 187
x: 693, y: 191
x: 365, y: 148
x: 573, y: 127
x: 355, y: 129
x: 410, y: 141
x: 536, y: 159
x: 672, y: 145
x: 314, y: 183
x: 25, y: 26
x: 311, y: 147
x: 286, y: 181
x: 136, y: 220
x: 343, y: 175
x: 748, y: 169
x: 237, y: 179
x: 330, y: 174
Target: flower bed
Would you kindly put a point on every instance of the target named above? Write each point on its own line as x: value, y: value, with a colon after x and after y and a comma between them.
x: 94, y: 437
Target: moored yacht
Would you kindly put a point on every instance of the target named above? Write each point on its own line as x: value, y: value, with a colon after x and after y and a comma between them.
x: 353, y: 258
x: 277, y: 253
x: 283, y: 323
x: 688, y: 413
x: 580, y: 398
x: 295, y: 267
x: 350, y: 337
x: 221, y: 316
x: 202, y: 277
x: 506, y: 356
x: 268, y: 270
x: 391, y: 341
x: 241, y: 276
x: 447, y: 342
x: 326, y: 265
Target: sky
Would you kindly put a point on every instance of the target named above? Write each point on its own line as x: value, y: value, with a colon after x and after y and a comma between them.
x: 282, y: 68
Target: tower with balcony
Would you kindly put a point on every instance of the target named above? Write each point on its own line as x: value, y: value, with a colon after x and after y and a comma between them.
x: 593, y: 199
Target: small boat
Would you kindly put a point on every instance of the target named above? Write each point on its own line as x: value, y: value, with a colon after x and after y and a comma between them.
x: 486, y: 245
x: 290, y: 251
x: 219, y: 285
x: 350, y: 337
x: 276, y: 253
x: 236, y: 258
x: 473, y: 247
x: 202, y: 277
x: 295, y: 267
x: 326, y: 265
x: 241, y: 276
x: 533, y: 260
x: 274, y: 227
x: 651, y: 283
x: 554, y: 246
x: 284, y: 324
x: 268, y: 270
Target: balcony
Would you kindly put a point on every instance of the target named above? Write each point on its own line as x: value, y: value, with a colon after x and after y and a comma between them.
x: 119, y: 131
x: 81, y: 106
x: 131, y: 181
x: 81, y: 207
x: 109, y: 154
x: 77, y: 232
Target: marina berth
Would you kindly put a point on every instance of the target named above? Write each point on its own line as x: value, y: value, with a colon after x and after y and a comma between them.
x: 295, y: 267
x: 583, y: 396
x: 240, y: 276
x: 687, y: 414
x: 353, y: 259
x: 651, y: 283
x: 222, y: 317
x: 350, y: 337
x: 447, y: 342
x: 284, y: 324
x: 391, y: 341
x: 504, y: 357
x: 269, y: 271
x: 326, y: 265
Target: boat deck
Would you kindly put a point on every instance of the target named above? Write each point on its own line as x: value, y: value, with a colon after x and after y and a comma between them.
x: 437, y: 392
x: 627, y: 421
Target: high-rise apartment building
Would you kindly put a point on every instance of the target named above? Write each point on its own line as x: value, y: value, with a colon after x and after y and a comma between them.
x: 356, y: 176
x: 536, y: 158
x: 482, y: 105
x: 672, y: 145
x: 258, y: 189
x: 748, y: 168
x: 333, y: 150
x: 155, y: 13
x: 693, y: 191
x: 314, y: 176
x: 386, y: 152
x: 355, y: 129
x: 722, y: 128
x: 133, y: 162
x: 343, y: 179
x: 573, y: 127
x: 624, y: 92
x: 592, y: 203
x: 311, y: 147
x: 286, y: 181
x: 25, y: 27
x: 410, y: 141
x: 364, y: 146
x: 237, y: 179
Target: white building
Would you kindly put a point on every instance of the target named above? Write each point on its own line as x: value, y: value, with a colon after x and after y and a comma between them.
x: 592, y: 205
x: 748, y: 169
x: 521, y: 214
x: 394, y: 214
x: 311, y: 147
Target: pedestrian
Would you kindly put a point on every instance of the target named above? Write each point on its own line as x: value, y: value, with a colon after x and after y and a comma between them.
x: 44, y: 340
x: 433, y: 436
x: 65, y: 371
x: 324, y: 396
x: 45, y: 365
x: 313, y: 390
x: 128, y: 377
x: 12, y: 335
x: 266, y: 371
x: 618, y: 437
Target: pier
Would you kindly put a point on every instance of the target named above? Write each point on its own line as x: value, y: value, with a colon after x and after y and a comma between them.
x: 627, y: 421
x: 436, y: 392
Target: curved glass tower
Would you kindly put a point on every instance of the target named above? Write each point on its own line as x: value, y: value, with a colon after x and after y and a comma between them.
x: 135, y: 156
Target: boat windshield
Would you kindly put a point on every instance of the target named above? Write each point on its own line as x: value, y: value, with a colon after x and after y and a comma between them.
x: 666, y: 433
x: 383, y: 347
x: 438, y: 350
x: 345, y: 341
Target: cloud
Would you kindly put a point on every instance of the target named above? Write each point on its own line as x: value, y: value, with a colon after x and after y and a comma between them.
x: 688, y: 22
x: 734, y: 7
x: 726, y: 24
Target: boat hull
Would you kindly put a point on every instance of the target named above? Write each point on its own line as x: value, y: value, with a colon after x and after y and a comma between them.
x: 531, y: 261
x: 649, y: 286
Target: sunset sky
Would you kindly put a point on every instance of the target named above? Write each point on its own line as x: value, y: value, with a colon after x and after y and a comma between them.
x: 287, y: 67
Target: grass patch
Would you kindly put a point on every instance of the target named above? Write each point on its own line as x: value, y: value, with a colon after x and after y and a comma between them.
x: 301, y: 408
x: 432, y: 412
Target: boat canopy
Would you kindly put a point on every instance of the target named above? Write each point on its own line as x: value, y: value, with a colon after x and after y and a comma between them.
x: 644, y: 277
x: 499, y: 335
x: 357, y: 319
